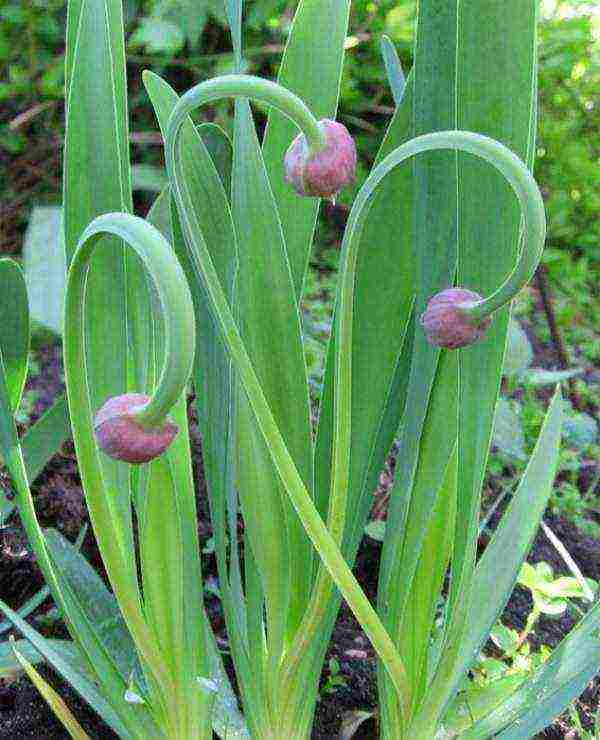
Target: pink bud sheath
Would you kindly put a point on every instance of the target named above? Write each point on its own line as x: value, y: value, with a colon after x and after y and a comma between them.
x: 122, y: 437
x: 324, y: 173
x: 446, y: 325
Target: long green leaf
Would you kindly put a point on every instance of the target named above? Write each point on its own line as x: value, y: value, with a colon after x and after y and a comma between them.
x: 311, y: 67
x: 497, y: 571
x: 43, y: 439
x: 270, y: 326
x: 458, y: 228
x: 14, y: 329
x: 497, y: 101
x: 56, y: 704
x: 97, y: 180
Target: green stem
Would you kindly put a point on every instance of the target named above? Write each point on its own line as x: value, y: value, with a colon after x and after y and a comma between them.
x: 164, y: 270
x: 531, y: 203
x: 317, y: 531
x: 254, y: 88
x: 171, y: 285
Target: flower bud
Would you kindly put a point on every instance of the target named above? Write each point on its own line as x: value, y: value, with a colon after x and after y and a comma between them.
x: 120, y: 435
x: 321, y: 174
x: 446, y: 325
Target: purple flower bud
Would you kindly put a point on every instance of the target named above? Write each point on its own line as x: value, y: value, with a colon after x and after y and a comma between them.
x: 122, y: 437
x: 324, y: 173
x: 446, y: 325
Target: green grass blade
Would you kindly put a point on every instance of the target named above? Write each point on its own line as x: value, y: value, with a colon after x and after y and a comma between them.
x: 14, y: 329
x: 43, y: 440
x: 311, y: 67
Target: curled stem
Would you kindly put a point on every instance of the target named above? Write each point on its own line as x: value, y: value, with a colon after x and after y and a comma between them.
x: 532, y: 208
x: 171, y: 286
x: 255, y: 88
x: 517, y: 176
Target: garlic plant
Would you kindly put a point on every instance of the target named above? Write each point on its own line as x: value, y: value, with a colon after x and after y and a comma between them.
x: 444, y: 232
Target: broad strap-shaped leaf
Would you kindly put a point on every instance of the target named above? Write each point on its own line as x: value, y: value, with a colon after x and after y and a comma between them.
x: 453, y: 235
x: 499, y: 101
x: 102, y: 610
x: 269, y: 323
x: 14, y: 329
x: 207, y: 187
x: 311, y: 67
x: 97, y: 180
x: 549, y: 691
x: 435, y: 248
x: 43, y: 439
x: 498, y: 569
x: 44, y: 265
x: 384, y: 294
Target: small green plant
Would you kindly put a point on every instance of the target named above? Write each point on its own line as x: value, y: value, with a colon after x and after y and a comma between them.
x: 334, y: 680
x: 494, y: 677
x: 443, y: 233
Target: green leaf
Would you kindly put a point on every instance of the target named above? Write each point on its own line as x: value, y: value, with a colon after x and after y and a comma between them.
x: 219, y: 147
x: 9, y: 666
x: 519, y: 354
x: 204, y: 182
x: 14, y: 329
x: 44, y: 263
x: 393, y: 69
x: 508, y: 435
x: 498, y: 569
x: 311, y: 67
x: 56, y: 704
x: 43, y: 439
x: 97, y: 180
x: 66, y: 661
x: 99, y: 604
x: 157, y: 36
x: 269, y: 324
